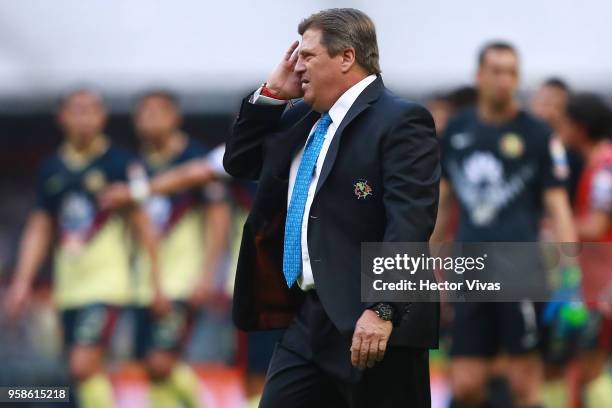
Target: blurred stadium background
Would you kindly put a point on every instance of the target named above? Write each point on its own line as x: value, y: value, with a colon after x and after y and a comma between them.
x: 212, y: 54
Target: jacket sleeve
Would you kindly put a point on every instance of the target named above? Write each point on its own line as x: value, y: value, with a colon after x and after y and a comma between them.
x: 411, y: 175
x: 245, y: 148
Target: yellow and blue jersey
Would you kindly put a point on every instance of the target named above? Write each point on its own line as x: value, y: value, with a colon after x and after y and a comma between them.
x: 179, y: 220
x: 91, y: 259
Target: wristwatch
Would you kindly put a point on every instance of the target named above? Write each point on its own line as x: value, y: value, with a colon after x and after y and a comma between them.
x: 384, y: 311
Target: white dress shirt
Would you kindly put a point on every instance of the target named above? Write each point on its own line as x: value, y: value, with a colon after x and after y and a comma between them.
x: 337, y: 113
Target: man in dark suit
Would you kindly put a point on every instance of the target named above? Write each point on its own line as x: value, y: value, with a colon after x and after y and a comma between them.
x: 351, y: 163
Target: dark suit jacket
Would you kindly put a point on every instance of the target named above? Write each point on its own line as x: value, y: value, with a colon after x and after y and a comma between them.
x: 383, y: 139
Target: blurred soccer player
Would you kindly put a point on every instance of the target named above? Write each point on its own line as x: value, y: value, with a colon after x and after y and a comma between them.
x: 91, y: 251
x: 462, y: 98
x: 198, y: 172
x: 440, y: 109
x: 485, y: 152
x: 587, y: 128
x: 190, y: 174
x: 548, y: 103
x: 193, y: 227
x: 444, y: 106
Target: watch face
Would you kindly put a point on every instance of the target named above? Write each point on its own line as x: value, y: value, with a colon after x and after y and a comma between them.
x: 384, y: 311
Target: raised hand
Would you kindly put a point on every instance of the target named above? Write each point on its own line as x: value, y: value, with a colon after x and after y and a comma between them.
x: 283, y: 82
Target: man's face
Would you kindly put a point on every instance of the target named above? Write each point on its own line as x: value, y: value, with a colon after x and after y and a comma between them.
x: 498, y: 78
x: 156, y: 117
x: 548, y: 103
x: 82, y: 117
x: 319, y: 73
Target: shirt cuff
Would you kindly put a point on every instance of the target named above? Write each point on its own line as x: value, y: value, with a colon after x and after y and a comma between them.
x: 259, y: 99
x: 215, y: 161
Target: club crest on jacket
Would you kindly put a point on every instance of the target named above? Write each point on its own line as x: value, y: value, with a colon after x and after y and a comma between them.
x: 362, y: 189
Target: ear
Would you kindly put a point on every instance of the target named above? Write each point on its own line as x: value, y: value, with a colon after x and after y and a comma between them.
x: 348, y: 59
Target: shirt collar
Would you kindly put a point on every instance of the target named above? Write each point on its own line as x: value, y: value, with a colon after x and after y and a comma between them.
x: 76, y: 160
x: 339, y: 109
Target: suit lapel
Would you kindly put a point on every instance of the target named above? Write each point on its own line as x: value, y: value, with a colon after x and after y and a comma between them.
x: 365, y: 99
x: 295, y: 138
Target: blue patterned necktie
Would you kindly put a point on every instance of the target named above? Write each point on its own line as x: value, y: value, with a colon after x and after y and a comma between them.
x: 292, y: 253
